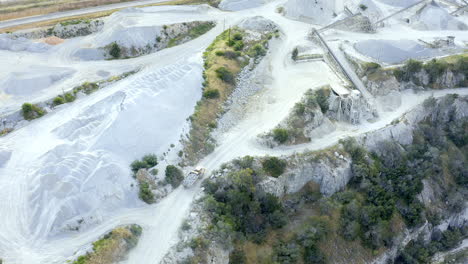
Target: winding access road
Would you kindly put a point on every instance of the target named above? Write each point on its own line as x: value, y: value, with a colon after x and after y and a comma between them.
x: 77, y: 12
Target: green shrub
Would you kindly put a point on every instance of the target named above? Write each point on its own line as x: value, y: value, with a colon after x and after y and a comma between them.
x: 211, y: 93
x: 435, y: 69
x: 295, y: 53
x: 235, y: 206
x: 225, y: 75
x: 199, y: 243
x: 237, y: 256
x: 274, y: 166
x: 371, y: 67
x: 230, y: 42
x: 69, y: 97
x: 363, y: 7
x: 258, y: 50
x: 237, y: 36
x: 280, y: 135
x: 58, y: 101
x: 201, y: 29
x: 231, y: 54
x: 87, y: 88
x: 115, y: 50
x: 219, y: 53
x: 32, y: 111
x: 174, y: 176
x: 299, y: 109
x: 321, y: 96
x: 245, y: 162
x: 410, y: 68
x: 239, y: 45
x: 148, y: 161
x: 145, y: 193
x: 461, y: 65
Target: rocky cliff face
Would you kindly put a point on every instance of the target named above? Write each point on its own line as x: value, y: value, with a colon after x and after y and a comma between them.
x: 383, y: 82
x: 352, y: 109
x: 331, y: 170
x: 65, y: 30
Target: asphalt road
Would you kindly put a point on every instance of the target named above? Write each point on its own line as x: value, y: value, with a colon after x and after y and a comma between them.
x: 84, y: 11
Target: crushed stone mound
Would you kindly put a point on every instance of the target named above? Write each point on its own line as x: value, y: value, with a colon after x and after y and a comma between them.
x: 258, y: 24
x: 319, y: 12
x: 13, y: 43
x: 433, y: 17
x: 395, y: 51
x: 372, y: 11
x: 52, y: 40
x: 399, y: 3
x: 235, y: 5
x: 32, y: 80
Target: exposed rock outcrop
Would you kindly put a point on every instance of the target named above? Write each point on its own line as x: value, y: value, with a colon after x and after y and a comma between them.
x: 64, y: 30
x: 331, y: 170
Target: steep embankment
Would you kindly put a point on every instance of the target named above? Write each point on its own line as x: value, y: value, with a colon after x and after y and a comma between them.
x: 403, y: 180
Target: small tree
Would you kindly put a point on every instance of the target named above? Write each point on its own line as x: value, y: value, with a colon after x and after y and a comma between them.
x: 148, y: 161
x: 274, y: 166
x: 280, y: 135
x: 225, y: 75
x: 258, y: 50
x: 211, y: 93
x: 174, y: 176
x: 295, y: 53
x: 58, y: 100
x: 145, y: 193
x: 32, y: 111
x: 115, y: 50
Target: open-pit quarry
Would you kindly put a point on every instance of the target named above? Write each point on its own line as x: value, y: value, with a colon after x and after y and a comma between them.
x: 81, y: 100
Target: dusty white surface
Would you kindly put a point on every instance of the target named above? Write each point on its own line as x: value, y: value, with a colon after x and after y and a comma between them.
x: 73, y: 163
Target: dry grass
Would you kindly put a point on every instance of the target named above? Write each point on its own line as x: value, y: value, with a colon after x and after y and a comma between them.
x: 111, y: 248
x: 208, y: 110
x: 86, y: 16
x: 34, y: 8
x: 53, y: 22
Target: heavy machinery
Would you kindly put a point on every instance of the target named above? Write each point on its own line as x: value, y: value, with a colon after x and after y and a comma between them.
x: 193, y: 176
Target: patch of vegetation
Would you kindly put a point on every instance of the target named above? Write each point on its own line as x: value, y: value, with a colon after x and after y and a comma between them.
x: 58, y: 100
x: 363, y: 7
x: 32, y: 111
x: 194, y: 32
x: 75, y: 22
x: 148, y: 161
x: 61, y: 99
x: 384, y: 185
x: 5, y: 131
x: 292, y: 130
x: 257, y: 50
x: 280, y: 135
x: 145, y: 193
x: 371, y: 67
x: 211, y: 94
x: 174, y: 176
x: 201, y: 29
x: 274, y: 166
x: 420, y: 251
x: 115, y: 50
x: 113, y: 246
x: 222, y: 64
x: 236, y: 206
x: 435, y: 69
x: 294, y: 54
x: 225, y: 75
